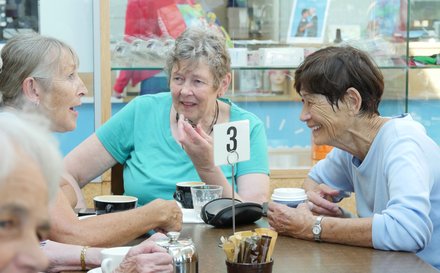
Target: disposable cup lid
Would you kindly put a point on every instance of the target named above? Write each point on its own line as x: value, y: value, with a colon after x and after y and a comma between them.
x: 289, y: 193
x: 292, y: 198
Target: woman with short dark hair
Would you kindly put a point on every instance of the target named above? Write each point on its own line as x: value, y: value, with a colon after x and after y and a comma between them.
x: 390, y: 163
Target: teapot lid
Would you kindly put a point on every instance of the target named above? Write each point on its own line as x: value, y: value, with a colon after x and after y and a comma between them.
x: 173, y: 241
x: 182, y: 250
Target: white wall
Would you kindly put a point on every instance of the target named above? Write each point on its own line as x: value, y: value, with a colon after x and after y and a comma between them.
x: 117, y: 20
x: 72, y: 22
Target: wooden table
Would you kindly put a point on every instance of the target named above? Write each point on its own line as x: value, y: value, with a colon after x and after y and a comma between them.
x: 293, y: 255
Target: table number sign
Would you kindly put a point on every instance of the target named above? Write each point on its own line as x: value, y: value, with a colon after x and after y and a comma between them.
x: 231, y: 142
x: 231, y: 145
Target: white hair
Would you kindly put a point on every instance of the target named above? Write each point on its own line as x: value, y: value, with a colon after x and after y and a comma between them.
x: 31, y: 135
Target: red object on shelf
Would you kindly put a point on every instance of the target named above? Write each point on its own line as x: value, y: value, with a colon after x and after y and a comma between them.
x: 319, y: 152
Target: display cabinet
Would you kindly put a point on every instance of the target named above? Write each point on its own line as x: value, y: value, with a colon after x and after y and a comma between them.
x: 269, y: 42
x: 18, y: 17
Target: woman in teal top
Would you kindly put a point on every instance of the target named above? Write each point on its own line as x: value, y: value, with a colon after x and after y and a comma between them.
x: 166, y: 138
x: 154, y: 160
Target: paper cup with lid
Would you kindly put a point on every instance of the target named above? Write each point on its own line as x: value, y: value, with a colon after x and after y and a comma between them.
x: 291, y: 197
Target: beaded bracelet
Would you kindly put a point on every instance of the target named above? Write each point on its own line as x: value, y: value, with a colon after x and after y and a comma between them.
x: 82, y: 257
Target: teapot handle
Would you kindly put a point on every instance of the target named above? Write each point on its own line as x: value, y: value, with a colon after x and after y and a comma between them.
x: 106, y: 265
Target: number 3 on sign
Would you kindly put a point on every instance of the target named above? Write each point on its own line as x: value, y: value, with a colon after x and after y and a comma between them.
x: 231, y: 142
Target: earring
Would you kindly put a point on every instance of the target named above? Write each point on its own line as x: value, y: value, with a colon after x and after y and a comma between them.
x: 37, y: 103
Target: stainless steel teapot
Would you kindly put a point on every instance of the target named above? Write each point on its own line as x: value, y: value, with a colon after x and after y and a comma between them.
x: 185, y: 257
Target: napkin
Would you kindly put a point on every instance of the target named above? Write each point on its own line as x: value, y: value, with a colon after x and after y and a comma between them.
x: 189, y: 216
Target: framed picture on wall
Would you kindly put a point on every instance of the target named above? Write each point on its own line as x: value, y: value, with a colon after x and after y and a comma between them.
x: 307, y: 21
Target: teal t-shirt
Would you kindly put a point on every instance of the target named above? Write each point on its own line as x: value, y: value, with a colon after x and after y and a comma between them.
x: 139, y: 136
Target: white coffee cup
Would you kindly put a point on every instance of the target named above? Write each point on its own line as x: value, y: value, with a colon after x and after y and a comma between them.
x: 112, y: 257
x: 291, y: 197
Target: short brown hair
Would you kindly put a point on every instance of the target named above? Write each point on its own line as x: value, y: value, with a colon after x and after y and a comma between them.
x: 332, y: 70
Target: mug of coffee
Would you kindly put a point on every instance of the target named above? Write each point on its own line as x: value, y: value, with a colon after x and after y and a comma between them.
x: 183, y: 193
x: 290, y: 197
x: 112, y: 257
x: 113, y: 203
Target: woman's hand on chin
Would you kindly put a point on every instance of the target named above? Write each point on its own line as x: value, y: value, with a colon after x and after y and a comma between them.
x: 196, y: 143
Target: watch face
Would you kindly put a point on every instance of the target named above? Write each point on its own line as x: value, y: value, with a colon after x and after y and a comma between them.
x: 316, y: 230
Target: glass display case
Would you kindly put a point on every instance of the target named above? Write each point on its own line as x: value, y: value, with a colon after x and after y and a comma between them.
x: 269, y: 39
x: 18, y: 17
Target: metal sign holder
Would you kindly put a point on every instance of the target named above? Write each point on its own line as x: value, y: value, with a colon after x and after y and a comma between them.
x: 232, y: 159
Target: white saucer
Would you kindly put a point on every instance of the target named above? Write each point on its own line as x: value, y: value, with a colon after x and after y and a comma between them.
x: 95, y: 270
x: 189, y: 216
x: 86, y: 216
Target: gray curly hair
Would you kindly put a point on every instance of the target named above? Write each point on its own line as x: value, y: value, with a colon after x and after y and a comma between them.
x: 201, y: 43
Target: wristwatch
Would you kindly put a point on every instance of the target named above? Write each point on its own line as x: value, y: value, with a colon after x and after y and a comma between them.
x: 317, y: 229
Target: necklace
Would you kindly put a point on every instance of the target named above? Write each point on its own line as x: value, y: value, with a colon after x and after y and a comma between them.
x: 213, y: 122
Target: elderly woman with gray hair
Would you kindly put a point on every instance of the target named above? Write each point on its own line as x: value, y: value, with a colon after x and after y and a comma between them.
x: 40, y: 75
x: 166, y: 138
x: 30, y: 169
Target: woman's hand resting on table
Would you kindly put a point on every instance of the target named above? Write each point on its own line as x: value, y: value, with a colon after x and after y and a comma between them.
x: 294, y: 222
x: 167, y: 214
x: 147, y: 257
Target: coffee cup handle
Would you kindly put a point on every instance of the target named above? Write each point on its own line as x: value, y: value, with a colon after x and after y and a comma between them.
x: 106, y: 265
x: 178, y: 196
x: 109, y: 208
